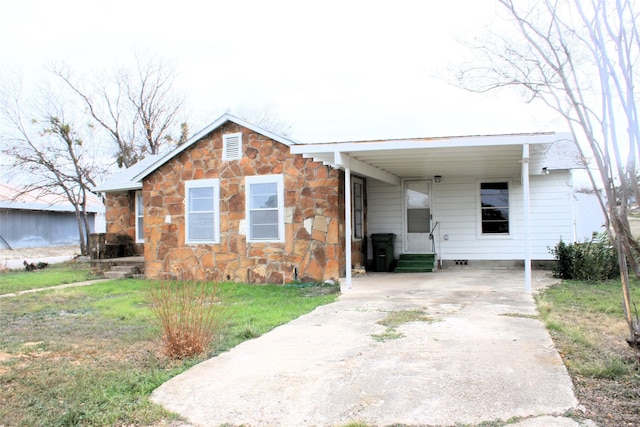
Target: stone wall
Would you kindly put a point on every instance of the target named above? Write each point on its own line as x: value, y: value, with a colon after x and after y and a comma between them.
x: 121, y: 225
x: 313, y: 249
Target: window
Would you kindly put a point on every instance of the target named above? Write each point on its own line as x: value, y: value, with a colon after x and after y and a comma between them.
x: 232, y: 146
x: 139, y: 218
x: 265, y: 208
x: 494, y: 207
x: 357, y: 196
x: 202, y: 214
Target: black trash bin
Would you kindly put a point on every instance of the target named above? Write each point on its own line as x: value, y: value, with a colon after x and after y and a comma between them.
x: 382, y: 244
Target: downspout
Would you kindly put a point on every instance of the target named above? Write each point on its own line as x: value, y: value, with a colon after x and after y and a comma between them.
x: 527, y: 217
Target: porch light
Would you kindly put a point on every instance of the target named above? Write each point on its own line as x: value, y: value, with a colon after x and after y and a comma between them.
x: 438, y: 178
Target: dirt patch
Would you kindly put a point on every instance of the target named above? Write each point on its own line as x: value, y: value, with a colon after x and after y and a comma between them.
x: 33, y: 253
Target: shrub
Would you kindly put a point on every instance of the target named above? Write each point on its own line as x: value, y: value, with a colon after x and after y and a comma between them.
x: 191, y: 315
x: 592, y: 260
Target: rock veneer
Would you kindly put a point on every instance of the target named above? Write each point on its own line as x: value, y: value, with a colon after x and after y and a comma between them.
x: 313, y: 248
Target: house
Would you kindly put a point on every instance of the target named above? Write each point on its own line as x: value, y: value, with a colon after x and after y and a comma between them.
x: 32, y: 219
x: 237, y: 202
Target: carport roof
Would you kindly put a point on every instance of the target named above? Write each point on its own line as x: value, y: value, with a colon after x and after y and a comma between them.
x: 481, y: 155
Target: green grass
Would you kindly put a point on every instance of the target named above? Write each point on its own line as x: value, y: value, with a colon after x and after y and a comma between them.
x: 588, y: 328
x: 12, y: 281
x: 92, y: 355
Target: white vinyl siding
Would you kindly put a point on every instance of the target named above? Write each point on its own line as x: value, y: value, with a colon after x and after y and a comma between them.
x: 139, y: 218
x: 384, y: 212
x: 265, y: 208
x: 202, y: 214
x: 455, y: 207
x: 232, y: 146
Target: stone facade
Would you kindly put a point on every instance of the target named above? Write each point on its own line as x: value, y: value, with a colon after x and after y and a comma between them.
x: 121, y: 223
x: 313, y: 248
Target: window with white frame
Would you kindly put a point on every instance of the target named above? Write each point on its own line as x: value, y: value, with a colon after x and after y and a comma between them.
x: 139, y: 218
x: 494, y: 208
x: 202, y: 215
x: 265, y: 208
x: 357, y: 201
x: 232, y: 146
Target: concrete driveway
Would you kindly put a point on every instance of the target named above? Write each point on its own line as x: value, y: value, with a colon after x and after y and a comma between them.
x: 484, y: 357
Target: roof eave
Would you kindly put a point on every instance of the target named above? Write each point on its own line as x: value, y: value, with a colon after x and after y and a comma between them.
x: 118, y: 189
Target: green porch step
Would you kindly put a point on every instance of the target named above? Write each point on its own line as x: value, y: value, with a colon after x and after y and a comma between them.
x: 415, y: 263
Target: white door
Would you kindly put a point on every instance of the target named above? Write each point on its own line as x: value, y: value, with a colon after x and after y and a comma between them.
x: 417, y: 218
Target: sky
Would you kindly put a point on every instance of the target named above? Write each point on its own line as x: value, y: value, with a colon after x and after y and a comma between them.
x: 334, y: 70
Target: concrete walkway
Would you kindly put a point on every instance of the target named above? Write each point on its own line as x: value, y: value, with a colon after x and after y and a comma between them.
x: 484, y: 357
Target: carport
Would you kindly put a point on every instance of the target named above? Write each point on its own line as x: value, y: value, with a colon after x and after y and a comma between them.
x: 394, y: 162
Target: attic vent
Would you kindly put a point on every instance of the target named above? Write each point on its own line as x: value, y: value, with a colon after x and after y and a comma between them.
x: 232, y: 146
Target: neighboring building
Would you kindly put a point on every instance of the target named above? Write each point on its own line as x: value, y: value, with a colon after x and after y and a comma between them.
x: 237, y: 202
x: 31, y: 219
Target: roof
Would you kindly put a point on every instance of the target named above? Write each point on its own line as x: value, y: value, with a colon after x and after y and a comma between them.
x: 124, y: 180
x: 391, y: 160
x: 15, y: 198
x: 131, y: 178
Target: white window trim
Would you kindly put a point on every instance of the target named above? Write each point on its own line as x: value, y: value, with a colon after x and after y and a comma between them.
x: 355, y: 180
x: 225, y: 141
x: 279, y: 180
x: 203, y: 183
x: 494, y: 236
x: 138, y: 208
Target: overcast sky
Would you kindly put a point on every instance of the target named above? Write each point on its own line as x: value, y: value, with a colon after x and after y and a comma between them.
x: 335, y: 70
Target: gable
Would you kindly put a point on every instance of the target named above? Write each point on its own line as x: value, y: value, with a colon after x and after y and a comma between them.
x: 204, y: 133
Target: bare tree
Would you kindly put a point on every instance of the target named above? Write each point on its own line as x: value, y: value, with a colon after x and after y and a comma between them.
x: 266, y: 117
x: 43, y: 143
x: 139, y: 109
x: 578, y: 57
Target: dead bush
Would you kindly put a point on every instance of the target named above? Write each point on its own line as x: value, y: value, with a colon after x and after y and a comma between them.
x: 191, y: 313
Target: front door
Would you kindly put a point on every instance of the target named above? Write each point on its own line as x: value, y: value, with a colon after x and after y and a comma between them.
x: 417, y: 224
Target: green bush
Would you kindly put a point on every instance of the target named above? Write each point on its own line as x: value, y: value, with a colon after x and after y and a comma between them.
x: 592, y: 260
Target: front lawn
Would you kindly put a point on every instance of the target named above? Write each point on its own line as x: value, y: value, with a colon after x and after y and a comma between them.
x: 587, y: 326
x: 12, y: 281
x: 92, y: 355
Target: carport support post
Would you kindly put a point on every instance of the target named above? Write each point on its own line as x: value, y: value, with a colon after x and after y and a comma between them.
x: 527, y: 217
x: 347, y: 220
x: 343, y: 160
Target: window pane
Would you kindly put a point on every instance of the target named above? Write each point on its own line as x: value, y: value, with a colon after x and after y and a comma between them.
x: 417, y: 195
x: 201, y: 226
x: 264, y: 225
x: 264, y: 217
x: 201, y: 199
x: 139, y: 229
x: 418, y: 220
x: 489, y: 214
x: 494, y: 194
x: 495, y: 227
x: 264, y: 195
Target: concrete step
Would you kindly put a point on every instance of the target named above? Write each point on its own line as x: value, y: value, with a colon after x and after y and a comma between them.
x: 413, y: 270
x: 122, y: 271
